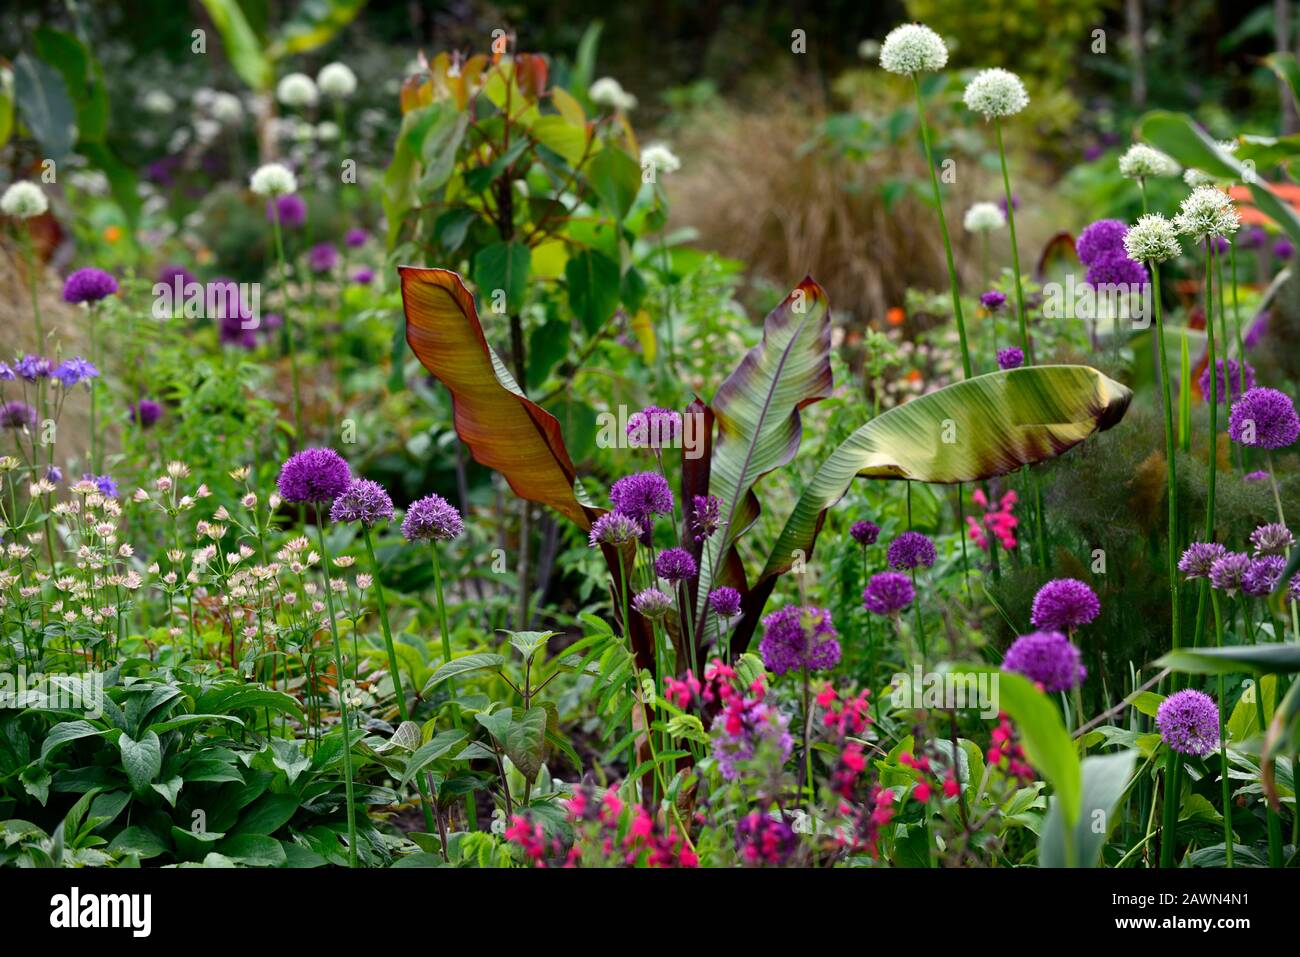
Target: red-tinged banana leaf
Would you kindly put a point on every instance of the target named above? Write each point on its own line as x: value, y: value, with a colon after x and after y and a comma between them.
x: 757, y: 415
x: 967, y: 432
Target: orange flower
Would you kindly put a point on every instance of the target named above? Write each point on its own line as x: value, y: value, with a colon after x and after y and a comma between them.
x: 914, y: 375
x: 113, y: 233
x: 896, y: 316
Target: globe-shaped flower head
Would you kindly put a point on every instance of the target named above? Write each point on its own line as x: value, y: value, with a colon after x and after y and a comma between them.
x: 865, y: 533
x: 1265, y: 418
x: 146, y: 413
x: 675, y: 565
x: 888, y: 593
x: 1141, y: 161
x: 1152, y: 239
x: 911, y: 550
x: 432, y: 519
x: 23, y: 200
x: 984, y: 218
x: 1271, y: 539
x: 314, y: 475
x: 1227, y: 572
x: 1064, y: 604
x: 89, y: 285
x: 273, y: 179
x: 614, y: 528
x: 296, y: 90
x: 1207, y: 212
x: 996, y: 93
x: 1263, y: 575
x: 652, y: 603
x: 913, y: 48
x: 1188, y: 721
x: 725, y: 602
x: 365, y: 502
x: 797, y: 638
x: 1048, y: 658
x: 337, y: 81
x: 1239, y: 375
x: 642, y: 496
x: 1099, y: 239
x: 1012, y: 357
x: 1199, y: 558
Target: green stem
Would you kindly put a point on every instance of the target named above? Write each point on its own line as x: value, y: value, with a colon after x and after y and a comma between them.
x: 1169, y: 825
x: 1015, y: 252
x: 286, y: 336
x: 1223, y: 743
x: 1171, y: 470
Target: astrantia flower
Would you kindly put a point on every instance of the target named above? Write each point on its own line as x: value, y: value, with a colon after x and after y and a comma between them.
x: 17, y: 415
x: 652, y: 603
x: 725, y: 601
x: 23, y: 200
x: 1227, y: 571
x: 1263, y: 575
x: 642, y: 496
x: 706, y: 516
x: 1240, y: 375
x: 290, y: 210
x: 1141, y: 161
x: 864, y: 532
x: 322, y: 257
x: 1272, y: 539
x: 1013, y: 357
x: 660, y: 158
x: 797, y: 638
x: 364, y: 501
x: 1100, y: 238
x: 89, y: 285
x: 1265, y: 418
x: 146, y: 413
x: 984, y: 218
x: 337, y: 81
x: 1188, y: 721
x: 296, y: 90
x: 993, y: 300
x: 614, y: 528
x: 273, y: 179
x: 913, y: 48
x: 1199, y: 558
x: 1064, y: 604
x: 996, y: 93
x: 314, y: 475
x: 653, y: 428
x: 911, y: 550
x: 1152, y: 239
x: 432, y: 518
x: 1205, y: 213
x: 888, y: 593
x: 74, y: 370
x: 675, y: 564
x: 607, y: 91
x: 1048, y: 658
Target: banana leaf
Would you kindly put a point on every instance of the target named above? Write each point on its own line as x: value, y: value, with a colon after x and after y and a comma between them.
x: 967, y: 432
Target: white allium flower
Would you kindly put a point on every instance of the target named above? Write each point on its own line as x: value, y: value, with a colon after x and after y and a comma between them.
x: 226, y: 108
x: 337, y: 81
x: 607, y: 91
x: 661, y: 158
x: 1152, y: 239
x: 273, y: 179
x: 23, y: 200
x: 1197, y: 177
x: 869, y: 49
x: 996, y: 93
x: 157, y: 101
x: 297, y: 90
x: 1141, y: 161
x: 327, y: 132
x: 1207, y: 212
x: 984, y: 217
x: 913, y: 48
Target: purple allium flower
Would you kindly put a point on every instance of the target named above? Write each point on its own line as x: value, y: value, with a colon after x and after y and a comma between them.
x: 1252, y: 237
x: 365, y: 501
x: 1064, y: 604
x: 993, y: 300
x: 233, y: 330
x: 614, y: 528
x: 314, y: 475
x: 888, y: 593
x: 1265, y: 418
x: 865, y: 533
x: 146, y: 413
x: 653, y: 428
x: 1189, y: 722
x: 1220, y: 245
x: 1227, y: 572
x: 725, y: 601
x: 797, y: 638
x: 1241, y: 375
x: 706, y: 516
x: 642, y: 496
x: 107, y: 487
x: 17, y: 415
x: 1293, y: 588
x: 1115, y: 269
x: 167, y: 275
x: 270, y: 322
x: 1200, y: 558
x: 74, y: 370
x: 911, y: 550
x: 652, y: 603
x: 432, y: 518
x: 1015, y: 202
x: 1263, y: 575
x: 1258, y: 476
x: 32, y: 367
x: 1283, y: 248
x: 764, y: 840
x: 1272, y: 539
x: 1048, y: 658
x: 322, y: 257
x: 675, y: 565
x: 89, y: 285
x: 355, y: 237
x: 1012, y: 357
x: 738, y: 741
x: 363, y: 276
x: 1103, y: 236
x: 292, y: 210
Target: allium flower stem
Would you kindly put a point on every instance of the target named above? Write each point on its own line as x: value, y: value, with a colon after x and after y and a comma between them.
x: 286, y: 336
x: 1015, y: 252
x: 943, y: 228
x: 1281, y: 517
x: 1169, y: 811
x: 1227, y: 348
x: 1170, y: 472
x: 33, y: 283
x: 1223, y: 745
x: 343, y: 698
x: 1214, y: 391
x: 95, y: 446
x: 402, y: 711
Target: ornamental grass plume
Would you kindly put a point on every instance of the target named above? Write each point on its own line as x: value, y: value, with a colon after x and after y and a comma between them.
x: 1064, y: 604
x: 1188, y: 722
x: 1047, y: 658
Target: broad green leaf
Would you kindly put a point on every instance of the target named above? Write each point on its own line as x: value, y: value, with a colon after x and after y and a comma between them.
x: 592, y: 281
x: 616, y: 178
x: 267, y: 814
x: 528, y: 642
x: 1287, y: 70
x: 561, y: 135
x: 139, y: 841
x: 252, y: 850
x: 501, y: 270
x: 241, y: 44
x: 44, y: 105
x: 312, y: 25
x: 431, y: 751
x: 141, y: 759
x: 1104, y: 779
x: 461, y: 666
x: 1265, y: 659
x: 64, y: 732
x: 526, y: 742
